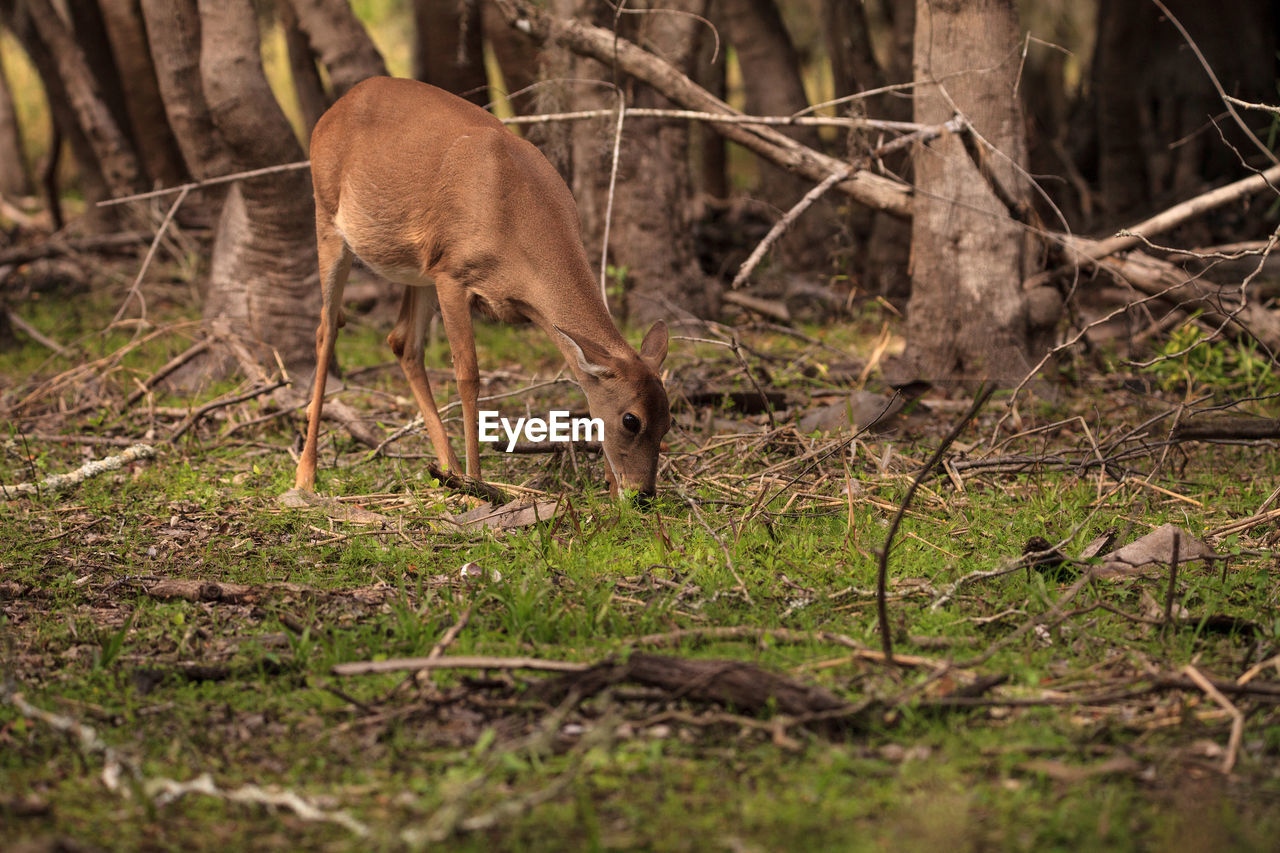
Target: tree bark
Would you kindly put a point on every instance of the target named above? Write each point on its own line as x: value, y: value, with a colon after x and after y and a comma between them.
x: 145, y: 108
x: 772, y: 85
x: 967, y: 317
x: 312, y: 100
x: 15, y: 180
x: 651, y: 230
x: 263, y: 292
x: 1154, y: 101
x: 89, y: 29
x: 341, y: 42
x: 66, y: 125
x: 173, y: 34
x: 448, y: 47
x: 110, y: 146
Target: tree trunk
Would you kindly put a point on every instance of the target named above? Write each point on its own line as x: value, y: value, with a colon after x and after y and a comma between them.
x: 173, y: 33
x: 89, y: 28
x: 312, y: 100
x: 340, y: 40
x: 263, y: 293
x: 66, y: 125
x: 150, y: 131
x: 967, y: 318
x: 540, y: 76
x: 1154, y: 102
x: 651, y: 233
x: 772, y: 86
x: 448, y: 47
x: 110, y: 146
x: 15, y: 180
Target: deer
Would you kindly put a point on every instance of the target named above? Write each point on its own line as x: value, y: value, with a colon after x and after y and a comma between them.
x: 428, y: 189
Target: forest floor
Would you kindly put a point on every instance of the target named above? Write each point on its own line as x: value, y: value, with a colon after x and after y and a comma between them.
x: 188, y: 663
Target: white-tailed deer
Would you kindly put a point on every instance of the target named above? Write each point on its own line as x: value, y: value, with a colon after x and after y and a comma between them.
x: 426, y: 188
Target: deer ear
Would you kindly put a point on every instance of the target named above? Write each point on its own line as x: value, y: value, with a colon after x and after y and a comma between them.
x: 653, y: 350
x: 597, y: 367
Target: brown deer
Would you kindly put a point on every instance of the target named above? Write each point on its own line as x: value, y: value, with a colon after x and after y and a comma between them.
x: 425, y: 187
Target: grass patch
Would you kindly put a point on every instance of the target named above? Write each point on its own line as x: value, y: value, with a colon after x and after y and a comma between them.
x: 774, y: 568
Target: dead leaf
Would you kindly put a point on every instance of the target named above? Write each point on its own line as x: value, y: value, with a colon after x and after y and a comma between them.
x: 864, y: 407
x: 506, y: 517
x: 1153, y: 551
x: 334, y: 509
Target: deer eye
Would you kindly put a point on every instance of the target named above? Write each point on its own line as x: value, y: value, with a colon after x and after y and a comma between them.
x: 630, y: 423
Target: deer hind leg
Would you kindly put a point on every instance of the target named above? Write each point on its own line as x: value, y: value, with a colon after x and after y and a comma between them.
x: 407, y: 341
x: 335, y: 266
x: 455, y: 310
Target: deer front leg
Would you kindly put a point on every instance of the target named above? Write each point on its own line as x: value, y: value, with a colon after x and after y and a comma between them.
x: 407, y: 341
x: 335, y: 265
x: 455, y: 310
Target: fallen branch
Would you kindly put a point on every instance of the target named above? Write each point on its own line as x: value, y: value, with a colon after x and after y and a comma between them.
x: 780, y: 227
x: 456, y: 662
x: 735, y: 684
x: 873, y: 190
x: 1226, y: 429
x: 1084, y: 251
x: 57, y: 247
x: 35, y: 334
x: 59, y: 482
x: 165, y: 791
x: 1237, y: 718
x: 221, y: 403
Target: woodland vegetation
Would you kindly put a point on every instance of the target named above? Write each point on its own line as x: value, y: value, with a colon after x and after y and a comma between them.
x: 966, y: 526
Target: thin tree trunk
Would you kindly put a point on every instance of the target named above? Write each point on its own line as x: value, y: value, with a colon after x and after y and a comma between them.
x: 966, y: 319
x: 145, y: 108
x: 89, y: 29
x: 14, y: 178
x: 650, y: 238
x: 448, y: 47
x: 340, y: 40
x: 110, y: 146
x: 66, y: 125
x: 173, y: 33
x: 887, y: 249
x: 772, y: 85
x: 302, y: 64
x: 263, y: 293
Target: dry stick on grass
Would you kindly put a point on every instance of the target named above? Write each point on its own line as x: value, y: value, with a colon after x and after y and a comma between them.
x: 457, y: 662
x: 728, y: 558
x: 58, y: 482
x: 167, y: 368
x: 1237, y: 717
x: 162, y: 790
x: 882, y: 571
x: 35, y: 334
x: 135, y: 290
x: 1173, y: 582
x: 195, y: 417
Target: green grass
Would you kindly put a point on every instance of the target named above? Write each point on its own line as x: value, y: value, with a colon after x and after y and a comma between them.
x: 86, y: 641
